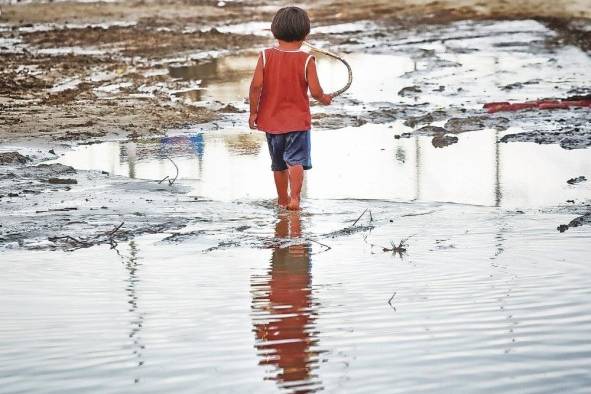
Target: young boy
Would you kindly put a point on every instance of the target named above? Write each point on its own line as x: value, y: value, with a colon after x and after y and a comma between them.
x: 279, y: 103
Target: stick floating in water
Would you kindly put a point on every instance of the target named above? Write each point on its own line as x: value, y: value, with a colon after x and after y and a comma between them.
x: 335, y: 56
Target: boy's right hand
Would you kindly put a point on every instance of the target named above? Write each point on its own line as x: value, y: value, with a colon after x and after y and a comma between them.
x: 326, y: 99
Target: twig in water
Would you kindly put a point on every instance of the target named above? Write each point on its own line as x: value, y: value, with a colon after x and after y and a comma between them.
x: 390, y: 302
x: 163, y: 179
x: 360, y: 216
x: 112, y: 232
x: 321, y: 244
x: 171, y: 182
x: 399, y: 249
x: 68, y: 237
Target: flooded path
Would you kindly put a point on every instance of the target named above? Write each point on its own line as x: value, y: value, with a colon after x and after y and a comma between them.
x: 487, y: 303
x: 233, y: 164
x: 112, y: 282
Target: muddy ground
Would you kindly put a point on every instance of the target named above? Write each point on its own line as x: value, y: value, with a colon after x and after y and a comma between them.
x: 77, y: 73
x: 79, y: 70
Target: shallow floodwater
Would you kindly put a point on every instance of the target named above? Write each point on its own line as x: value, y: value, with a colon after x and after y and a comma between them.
x: 235, y: 164
x: 482, y: 302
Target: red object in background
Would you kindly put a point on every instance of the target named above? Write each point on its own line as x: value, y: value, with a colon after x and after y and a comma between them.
x: 539, y: 104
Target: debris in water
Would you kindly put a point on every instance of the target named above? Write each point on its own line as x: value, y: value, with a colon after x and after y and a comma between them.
x: 574, y: 181
x: 409, y: 91
x: 505, y: 106
x: 441, y: 141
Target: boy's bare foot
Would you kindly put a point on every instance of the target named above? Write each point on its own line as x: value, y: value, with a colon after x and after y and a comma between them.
x: 294, y: 205
x: 283, y: 203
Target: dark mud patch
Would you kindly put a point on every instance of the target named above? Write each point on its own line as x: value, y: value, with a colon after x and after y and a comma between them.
x: 377, y: 113
x: 430, y: 131
x: 141, y: 41
x: 577, y: 222
x: 570, y: 139
x: 570, y: 31
x: 474, y: 123
x: 431, y: 117
x: 410, y: 91
x: 86, y: 119
x: 54, y: 206
x: 574, y: 181
x: 441, y: 141
x: 335, y: 121
x: 13, y: 158
x: 12, y: 83
x: 62, y: 181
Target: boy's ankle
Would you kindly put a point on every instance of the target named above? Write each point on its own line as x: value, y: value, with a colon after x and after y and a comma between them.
x: 294, y: 204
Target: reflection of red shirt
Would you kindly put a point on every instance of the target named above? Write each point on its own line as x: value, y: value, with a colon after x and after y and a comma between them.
x: 287, y: 336
x: 284, y: 105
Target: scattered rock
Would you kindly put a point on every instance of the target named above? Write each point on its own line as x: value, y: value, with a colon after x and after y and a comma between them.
x: 519, y: 85
x: 430, y: 131
x: 441, y: 141
x: 409, y: 91
x: 62, y: 181
x: 566, y: 139
x: 52, y: 169
x: 337, y: 121
x: 13, y: 158
x: 425, y: 119
x: 580, y: 221
x: 231, y: 109
x: 473, y: 123
x: 574, y: 181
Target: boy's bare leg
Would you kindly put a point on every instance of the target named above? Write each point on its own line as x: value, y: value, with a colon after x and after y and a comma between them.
x: 296, y: 178
x: 281, y: 182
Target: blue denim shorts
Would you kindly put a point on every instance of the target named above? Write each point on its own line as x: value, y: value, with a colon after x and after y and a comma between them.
x: 290, y: 149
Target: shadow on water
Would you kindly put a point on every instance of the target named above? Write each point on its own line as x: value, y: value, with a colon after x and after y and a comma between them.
x: 284, y: 312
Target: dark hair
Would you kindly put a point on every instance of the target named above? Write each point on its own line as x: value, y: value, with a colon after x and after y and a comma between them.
x: 290, y: 24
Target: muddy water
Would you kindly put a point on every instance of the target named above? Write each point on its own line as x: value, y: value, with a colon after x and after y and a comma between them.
x: 234, y: 164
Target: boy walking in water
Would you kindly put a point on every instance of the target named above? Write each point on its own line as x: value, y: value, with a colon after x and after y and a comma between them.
x: 279, y: 103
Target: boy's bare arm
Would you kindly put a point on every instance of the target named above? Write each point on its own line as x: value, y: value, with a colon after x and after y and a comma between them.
x: 256, y: 87
x: 314, y: 84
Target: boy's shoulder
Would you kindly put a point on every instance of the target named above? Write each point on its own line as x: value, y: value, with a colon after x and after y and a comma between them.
x: 273, y: 52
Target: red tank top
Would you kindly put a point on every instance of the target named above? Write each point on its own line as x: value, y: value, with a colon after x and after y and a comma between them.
x: 284, y: 105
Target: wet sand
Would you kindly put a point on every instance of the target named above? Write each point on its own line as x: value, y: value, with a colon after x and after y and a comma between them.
x: 88, y: 69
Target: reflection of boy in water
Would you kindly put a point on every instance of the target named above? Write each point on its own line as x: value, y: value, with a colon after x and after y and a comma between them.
x: 279, y: 103
x: 285, y: 301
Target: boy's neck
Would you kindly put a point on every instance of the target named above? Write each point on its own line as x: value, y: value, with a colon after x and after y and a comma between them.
x: 289, y: 45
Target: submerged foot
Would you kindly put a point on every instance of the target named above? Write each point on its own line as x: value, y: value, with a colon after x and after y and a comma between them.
x: 294, y: 205
x: 283, y: 203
